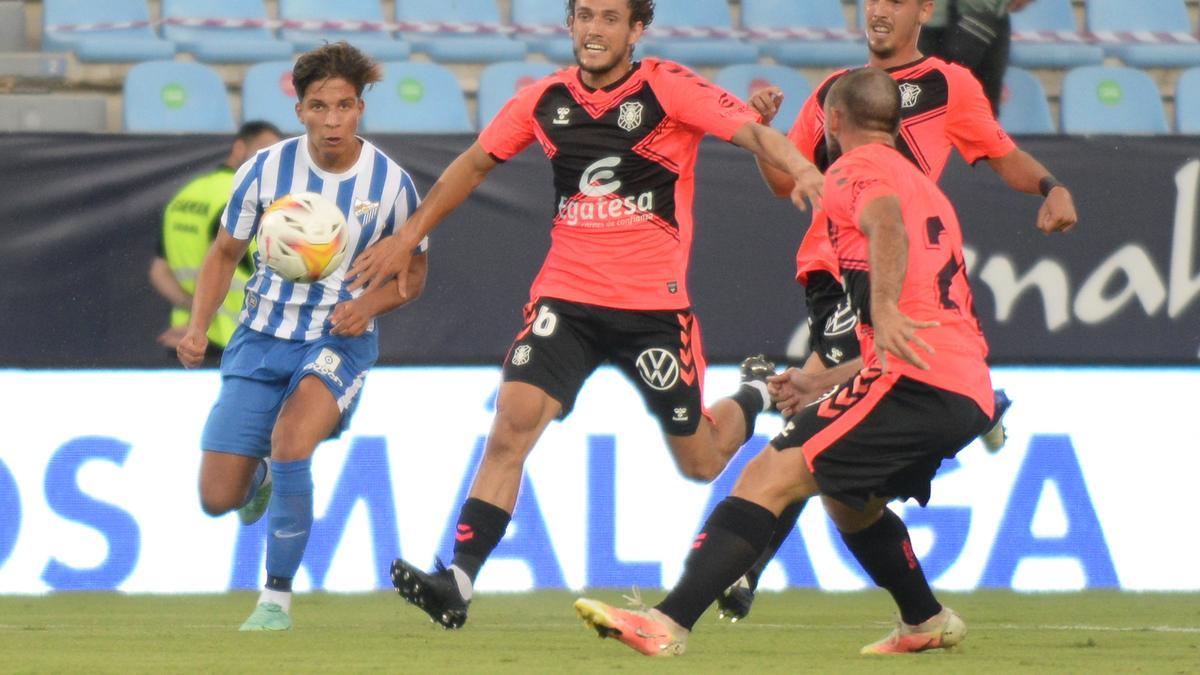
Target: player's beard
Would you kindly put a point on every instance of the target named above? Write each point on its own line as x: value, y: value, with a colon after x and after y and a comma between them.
x: 599, y: 70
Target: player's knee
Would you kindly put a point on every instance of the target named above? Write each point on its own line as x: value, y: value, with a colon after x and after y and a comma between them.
x: 700, y: 470
x: 217, y: 504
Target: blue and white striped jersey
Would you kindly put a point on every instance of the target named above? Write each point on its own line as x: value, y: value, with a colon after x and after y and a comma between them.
x: 375, y: 195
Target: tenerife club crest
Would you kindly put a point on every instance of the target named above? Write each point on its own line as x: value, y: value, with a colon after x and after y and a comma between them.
x: 631, y: 115
x: 908, y: 94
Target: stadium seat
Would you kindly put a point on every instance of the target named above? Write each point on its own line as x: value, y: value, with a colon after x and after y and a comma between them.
x: 1111, y: 100
x: 183, y: 24
x: 1045, y: 35
x: 1023, y: 105
x: 1145, y: 33
x: 113, y: 30
x: 744, y: 79
x: 1187, y: 102
x: 268, y: 94
x: 809, y: 33
x: 499, y: 81
x: 696, y: 33
x: 175, y: 96
x: 416, y: 98
x: 308, y: 24
x: 542, y: 26
x: 457, y: 31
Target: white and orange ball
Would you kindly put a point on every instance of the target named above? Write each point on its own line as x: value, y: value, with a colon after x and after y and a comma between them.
x: 302, y: 237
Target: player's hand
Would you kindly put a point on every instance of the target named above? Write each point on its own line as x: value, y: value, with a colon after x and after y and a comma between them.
x: 170, y: 337
x: 809, y: 185
x: 350, y: 318
x: 386, y: 258
x: 191, y: 348
x: 766, y: 102
x: 1058, y: 212
x: 791, y: 390
x: 894, y: 330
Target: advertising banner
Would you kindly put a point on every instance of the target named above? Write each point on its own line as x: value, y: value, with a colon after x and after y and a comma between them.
x: 81, y: 214
x: 98, y: 475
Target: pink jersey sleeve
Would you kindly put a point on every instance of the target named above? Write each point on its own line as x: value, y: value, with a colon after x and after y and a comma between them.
x: 851, y: 185
x: 971, y: 125
x: 513, y: 128
x: 698, y: 103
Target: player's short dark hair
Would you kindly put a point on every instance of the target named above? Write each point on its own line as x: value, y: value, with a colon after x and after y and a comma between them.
x: 641, y: 10
x: 870, y: 99
x: 337, y: 59
x: 255, y: 128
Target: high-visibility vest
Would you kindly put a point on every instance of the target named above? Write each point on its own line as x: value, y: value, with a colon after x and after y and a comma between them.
x: 190, y: 223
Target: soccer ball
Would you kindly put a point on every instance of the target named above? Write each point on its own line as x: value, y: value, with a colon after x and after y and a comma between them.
x: 302, y: 237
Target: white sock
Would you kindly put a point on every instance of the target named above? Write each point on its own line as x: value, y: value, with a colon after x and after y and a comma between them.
x: 281, y: 598
x: 762, y: 390
x: 465, y: 587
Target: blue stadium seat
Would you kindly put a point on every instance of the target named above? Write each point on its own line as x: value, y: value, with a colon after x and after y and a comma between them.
x: 1187, y: 102
x: 1111, y: 100
x: 458, y: 31
x: 362, y: 14
x: 217, y: 44
x: 499, y: 81
x: 1145, y: 33
x: 80, y: 26
x: 416, y: 98
x: 1023, y: 106
x: 175, y: 96
x: 542, y: 26
x: 1045, y: 36
x: 696, y: 33
x: 809, y: 33
x: 268, y: 94
x: 744, y: 79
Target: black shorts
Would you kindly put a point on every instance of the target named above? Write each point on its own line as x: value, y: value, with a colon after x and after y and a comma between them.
x: 831, y: 320
x: 881, y: 436
x: 563, y: 342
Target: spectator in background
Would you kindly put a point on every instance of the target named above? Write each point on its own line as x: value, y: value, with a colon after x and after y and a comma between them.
x: 976, y: 34
x: 190, y: 222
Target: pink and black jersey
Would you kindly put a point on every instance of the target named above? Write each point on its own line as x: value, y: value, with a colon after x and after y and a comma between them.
x: 623, y: 159
x: 935, y: 281
x: 942, y: 108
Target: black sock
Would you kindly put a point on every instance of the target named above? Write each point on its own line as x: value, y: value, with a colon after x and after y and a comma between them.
x: 750, y: 400
x: 886, y: 554
x: 783, y: 528
x: 279, y: 583
x: 481, y: 526
x: 732, y: 539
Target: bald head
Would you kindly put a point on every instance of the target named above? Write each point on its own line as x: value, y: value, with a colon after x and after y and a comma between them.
x: 868, y: 99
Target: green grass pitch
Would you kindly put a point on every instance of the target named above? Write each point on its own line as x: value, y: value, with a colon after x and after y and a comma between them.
x: 792, y: 632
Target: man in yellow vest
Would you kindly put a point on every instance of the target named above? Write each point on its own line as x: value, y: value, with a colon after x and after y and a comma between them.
x: 190, y: 223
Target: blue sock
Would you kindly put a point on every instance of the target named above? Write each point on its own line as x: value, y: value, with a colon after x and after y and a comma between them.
x: 290, y: 519
x: 260, y: 475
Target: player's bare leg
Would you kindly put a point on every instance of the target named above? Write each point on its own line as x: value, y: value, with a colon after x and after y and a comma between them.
x: 308, y: 417
x: 225, y: 481
x: 703, y: 455
x: 522, y: 413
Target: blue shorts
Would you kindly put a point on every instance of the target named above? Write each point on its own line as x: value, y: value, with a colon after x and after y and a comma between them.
x: 259, y: 372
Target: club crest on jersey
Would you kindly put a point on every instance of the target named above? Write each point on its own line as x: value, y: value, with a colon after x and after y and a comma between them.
x: 521, y: 355
x: 909, y: 93
x: 658, y: 368
x: 365, y: 210
x: 630, y: 116
x: 564, y: 116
